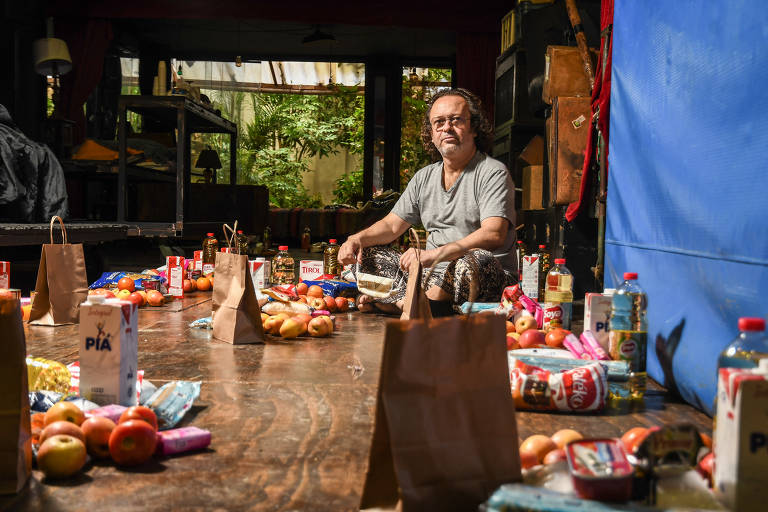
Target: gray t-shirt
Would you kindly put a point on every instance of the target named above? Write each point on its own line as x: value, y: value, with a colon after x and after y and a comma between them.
x: 484, y: 189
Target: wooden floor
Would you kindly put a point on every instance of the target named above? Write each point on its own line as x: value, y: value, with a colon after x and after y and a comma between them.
x: 291, y: 421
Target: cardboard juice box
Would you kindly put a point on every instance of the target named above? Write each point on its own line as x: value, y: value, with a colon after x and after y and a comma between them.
x: 198, y: 258
x: 310, y: 270
x: 530, y: 281
x: 5, y: 274
x: 174, y: 271
x: 741, y: 438
x: 597, y: 315
x: 260, y: 273
x: 108, y: 351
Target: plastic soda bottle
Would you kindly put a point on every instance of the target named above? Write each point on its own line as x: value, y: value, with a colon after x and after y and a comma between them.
x: 242, y: 242
x: 306, y: 239
x: 628, y: 338
x: 560, y: 290
x: 749, y: 347
x: 282, y: 267
x: 330, y: 259
x: 520, y: 252
x: 544, y: 266
x: 210, y: 248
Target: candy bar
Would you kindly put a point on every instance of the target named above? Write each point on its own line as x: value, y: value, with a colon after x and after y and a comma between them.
x: 574, y: 346
x: 592, y: 346
x: 180, y: 440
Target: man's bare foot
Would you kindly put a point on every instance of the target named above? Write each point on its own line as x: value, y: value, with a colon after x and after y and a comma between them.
x: 365, y: 304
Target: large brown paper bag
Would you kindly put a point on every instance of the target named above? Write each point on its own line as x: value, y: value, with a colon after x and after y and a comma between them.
x: 15, y: 429
x: 62, y: 284
x: 236, y: 312
x: 445, y: 432
x: 416, y: 304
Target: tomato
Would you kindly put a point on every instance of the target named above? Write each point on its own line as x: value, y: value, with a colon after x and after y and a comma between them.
x: 132, y: 443
x: 555, y: 337
x: 126, y: 283
x: 706, y: 467
x: 139, y: 412
x: 633, y: 437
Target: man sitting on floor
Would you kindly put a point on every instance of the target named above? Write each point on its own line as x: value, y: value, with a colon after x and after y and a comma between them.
x: 465, y: 201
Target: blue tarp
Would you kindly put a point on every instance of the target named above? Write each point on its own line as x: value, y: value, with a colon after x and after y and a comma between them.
x: 688, y: 183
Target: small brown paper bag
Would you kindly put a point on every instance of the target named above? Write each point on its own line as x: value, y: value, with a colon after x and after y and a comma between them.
x: 15, y: 429
x: 236, y: 312
x: 445, y: 432
x: 416, y: 305
x: 62, y: 284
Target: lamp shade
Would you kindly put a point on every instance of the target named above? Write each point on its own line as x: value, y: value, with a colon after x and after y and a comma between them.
x: 208, y: 159
x: 52, y: 57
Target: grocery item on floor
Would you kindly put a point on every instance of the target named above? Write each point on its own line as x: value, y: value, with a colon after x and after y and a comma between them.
x: 210, y: 248
x: 558, y: 293
x: 628, y: 338
x: 283, y: 272
x: 749, y: 347
x: 330, y: 259
x: 172, y: 401
x: 378, y: 287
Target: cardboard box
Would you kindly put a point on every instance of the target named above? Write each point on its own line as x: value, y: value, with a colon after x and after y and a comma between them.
x: 174, y: 271
x: 741, y: 439
x: 309, y: 270
x: 260, y: 269
x: 533, y: 187
x: 5, y: 274
x: 597, y: 315
x: 530, y: 281
x: 109, y: 351
x: 198, y: 261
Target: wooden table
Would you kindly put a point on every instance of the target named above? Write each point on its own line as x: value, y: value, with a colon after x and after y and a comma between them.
x: 291, y: 422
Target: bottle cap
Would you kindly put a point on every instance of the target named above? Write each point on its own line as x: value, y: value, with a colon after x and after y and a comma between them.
x: 239, y: 231
x: 282, y: 247
x: 751, y: 324
x: 332, y: 241
x: 542, y: 246
x: 630, y: 276
x: 559, y: 261
x: 209, y: 234
x: 519, y: 242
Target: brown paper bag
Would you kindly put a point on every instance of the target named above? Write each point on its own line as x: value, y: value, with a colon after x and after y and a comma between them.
x: 445, y: 432
x: 62, y: 284
x: 15, y: 429
x: 236, y: 312
x: 416, y: 304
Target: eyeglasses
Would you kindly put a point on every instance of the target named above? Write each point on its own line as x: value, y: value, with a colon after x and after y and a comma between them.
x: 453, y: 120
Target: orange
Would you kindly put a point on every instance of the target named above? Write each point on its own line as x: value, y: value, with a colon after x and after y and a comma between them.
x: 315, y: 291
x: 203, y: 284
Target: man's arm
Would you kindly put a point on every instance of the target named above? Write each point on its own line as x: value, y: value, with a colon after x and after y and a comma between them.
x: 491, y: 235
x: 382, y: 232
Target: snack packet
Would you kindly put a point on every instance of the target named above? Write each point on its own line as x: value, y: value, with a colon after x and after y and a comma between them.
x: 171, y: 401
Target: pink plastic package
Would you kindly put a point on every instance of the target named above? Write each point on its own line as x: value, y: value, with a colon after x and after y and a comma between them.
x: 592, y: 346
x: 179, y: 440
x: 574, y: 346
x: 112, y: 411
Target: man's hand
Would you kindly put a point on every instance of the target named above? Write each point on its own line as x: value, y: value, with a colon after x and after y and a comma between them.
x: 350, y: 251
x: 427, y: 258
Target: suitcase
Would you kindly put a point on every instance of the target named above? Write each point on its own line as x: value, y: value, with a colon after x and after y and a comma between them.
x: 567, y: 130
x: 533, y: 187
x: 564, y: 73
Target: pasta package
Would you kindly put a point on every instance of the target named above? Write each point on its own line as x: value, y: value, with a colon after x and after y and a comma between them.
x: 47, y: 375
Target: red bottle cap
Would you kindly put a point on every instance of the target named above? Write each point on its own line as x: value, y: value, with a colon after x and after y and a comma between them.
x: 239, y: 231
x: 282, y: 247
x: 560, y: 261
x: 209, y: 234
x: 542, y: 246
x: 751, y: 324
x: 519, y: 242
x: 332, y: 240
x: 630, y: 276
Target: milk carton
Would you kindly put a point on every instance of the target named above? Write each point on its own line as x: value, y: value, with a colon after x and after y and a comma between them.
x: 741, y: 438
x: 174, y: 271
x: 597, y: 314
x: 309, y: 270
x: 260, y: 273
x: 530, y: 271
x: 108, y: 351
x: 5, y: 274
x: 198, y: 258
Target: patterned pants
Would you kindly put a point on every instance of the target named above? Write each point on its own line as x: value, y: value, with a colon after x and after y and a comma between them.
x: 477, y: 266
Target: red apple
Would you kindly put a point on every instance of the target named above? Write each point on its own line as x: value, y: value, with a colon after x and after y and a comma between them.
x: 531, y: 338
x: 524, y: 323
x: 136, y: 298
x: 512, y: 342
x: 318, y: 327
x: 61, y: 456
x: 64, y: 411
x: 155, y: 298
x: 60, y: 427
x: 555, y: 337
x: 97, y: 430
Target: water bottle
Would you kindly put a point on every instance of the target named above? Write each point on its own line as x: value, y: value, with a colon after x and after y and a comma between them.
x: 242, y: 242
x: 520, y: 253
x: 544, y: 266
x: 331, y: 259
x: 749, y: 347
x: 282, y: 267
x: 628, y: 337
x: 560, y: 291
x: 210, y: 248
